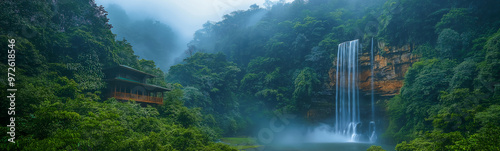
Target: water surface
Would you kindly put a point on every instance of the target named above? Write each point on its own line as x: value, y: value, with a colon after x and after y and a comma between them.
x: 340, y: 146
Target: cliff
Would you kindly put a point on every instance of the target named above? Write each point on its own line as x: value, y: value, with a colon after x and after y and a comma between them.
x: 390, y: 66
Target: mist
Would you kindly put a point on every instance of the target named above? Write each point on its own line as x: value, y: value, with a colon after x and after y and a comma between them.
x: 160, y: 30
x: 258, y: 75
x: 151, y: 39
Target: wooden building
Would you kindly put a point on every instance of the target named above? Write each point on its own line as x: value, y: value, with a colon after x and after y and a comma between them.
x: 126, y: 83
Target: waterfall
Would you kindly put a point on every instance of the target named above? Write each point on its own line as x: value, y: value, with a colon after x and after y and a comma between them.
x: 372, y: 77
x: 347, y: 118
x: 373, y: 136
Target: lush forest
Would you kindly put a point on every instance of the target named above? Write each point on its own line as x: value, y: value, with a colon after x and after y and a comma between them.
x: 252, y: 65
x: 61, y: 48
x: 449, y: 100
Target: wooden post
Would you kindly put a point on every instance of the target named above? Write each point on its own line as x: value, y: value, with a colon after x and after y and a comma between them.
x: 114, y: 93
x: 150, y: 96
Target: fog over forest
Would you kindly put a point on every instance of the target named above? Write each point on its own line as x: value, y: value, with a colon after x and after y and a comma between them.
x: 257, y: 75
x: 160, y: 30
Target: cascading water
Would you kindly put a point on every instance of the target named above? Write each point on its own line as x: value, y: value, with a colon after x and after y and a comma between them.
x: 373, y: 136
x: 347, y: 113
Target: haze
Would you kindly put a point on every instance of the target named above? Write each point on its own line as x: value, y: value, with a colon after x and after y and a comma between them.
x: 160, y: 29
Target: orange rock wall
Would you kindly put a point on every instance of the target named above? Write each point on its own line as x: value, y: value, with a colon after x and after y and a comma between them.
x: 390, y: 66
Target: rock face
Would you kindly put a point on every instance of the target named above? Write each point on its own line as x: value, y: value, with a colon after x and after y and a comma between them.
x: 390, y: 66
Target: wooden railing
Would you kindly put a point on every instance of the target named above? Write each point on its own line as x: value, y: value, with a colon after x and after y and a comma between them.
x: 138, y: 98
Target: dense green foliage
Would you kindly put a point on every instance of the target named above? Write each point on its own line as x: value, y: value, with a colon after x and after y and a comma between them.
x: 375, y: 148
x: 61, y: 48
x: 284, y: 57
x: 278, y: 58
x: 448, y: 106
x: 248, y: 66
x: 448, y: 98
x: 210, y: 81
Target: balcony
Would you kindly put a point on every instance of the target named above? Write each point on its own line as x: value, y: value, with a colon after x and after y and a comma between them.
x: 137, y: 98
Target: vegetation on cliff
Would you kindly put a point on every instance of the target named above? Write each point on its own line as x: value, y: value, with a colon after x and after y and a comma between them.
x: 248, y: 67
x: 61, y: 48
x: 446, y: 98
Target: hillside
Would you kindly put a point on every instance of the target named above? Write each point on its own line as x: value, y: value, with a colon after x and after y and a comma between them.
x: 436, y: 76
x: 61, y: 48
x: 435, y: 66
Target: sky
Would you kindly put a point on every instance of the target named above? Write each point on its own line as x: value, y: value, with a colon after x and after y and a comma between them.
x: 181, y: 17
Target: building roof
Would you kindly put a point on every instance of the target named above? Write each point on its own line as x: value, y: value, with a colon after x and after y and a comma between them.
x: 124, y: 67
x: 121, y: 79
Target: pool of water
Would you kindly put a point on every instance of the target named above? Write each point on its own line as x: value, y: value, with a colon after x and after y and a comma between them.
x: 340, y: 146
